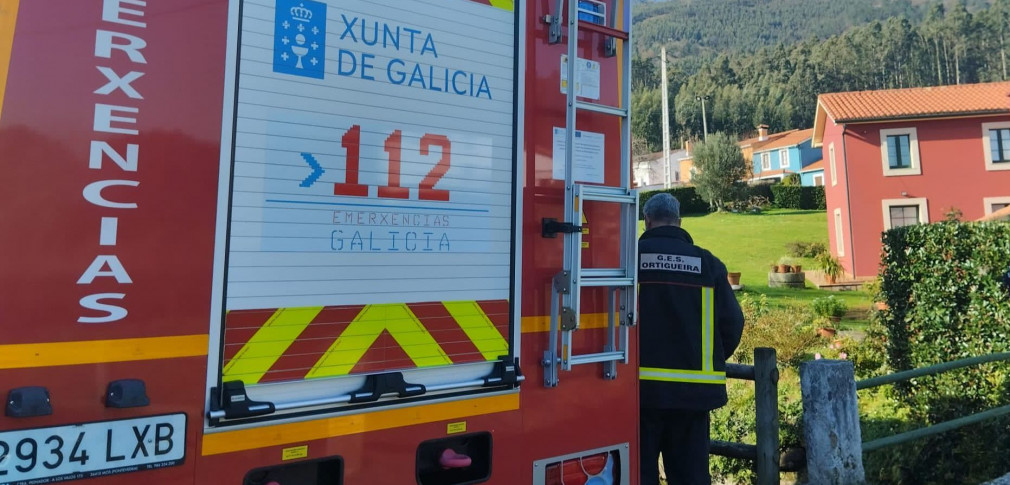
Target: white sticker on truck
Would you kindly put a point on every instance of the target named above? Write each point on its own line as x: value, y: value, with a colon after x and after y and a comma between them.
x: 373, y: 149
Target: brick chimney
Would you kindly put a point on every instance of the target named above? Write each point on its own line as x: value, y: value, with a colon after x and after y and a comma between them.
x: 688, y: 147
x: 762, y: 132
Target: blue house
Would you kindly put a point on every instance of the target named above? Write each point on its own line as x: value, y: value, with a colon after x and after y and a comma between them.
x: 779, y: 155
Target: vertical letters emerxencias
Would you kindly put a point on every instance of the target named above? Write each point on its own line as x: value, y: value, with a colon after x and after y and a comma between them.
x: 116, y: 112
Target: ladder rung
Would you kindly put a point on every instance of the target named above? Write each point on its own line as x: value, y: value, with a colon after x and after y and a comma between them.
x: 603, y: 272
x: 603, y: 193
x: 600, y: 108
x: 615, y: 282
x: 603, y: 29
x: 600, y: 357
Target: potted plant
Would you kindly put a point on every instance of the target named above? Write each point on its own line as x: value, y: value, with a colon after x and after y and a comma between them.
x: 825, y: 327
x: 830, y: 266
x: 829, y: 311
x: 785, y: 265
x: 734, y: 278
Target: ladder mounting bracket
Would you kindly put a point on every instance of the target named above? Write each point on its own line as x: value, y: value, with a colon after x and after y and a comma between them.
x: 550, y: 227
x: 568, y: 321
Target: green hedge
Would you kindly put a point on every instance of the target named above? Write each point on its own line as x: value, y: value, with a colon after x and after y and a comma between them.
x: 759, y: 190
x: 797, y: 197
x: 690, y: 202
x: 946, y: 301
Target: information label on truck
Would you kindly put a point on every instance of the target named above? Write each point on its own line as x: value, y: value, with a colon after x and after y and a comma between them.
x: 373, y: 150
x: 371, y: 213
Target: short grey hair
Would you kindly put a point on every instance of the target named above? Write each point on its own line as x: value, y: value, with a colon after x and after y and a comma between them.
x: 662, y: 208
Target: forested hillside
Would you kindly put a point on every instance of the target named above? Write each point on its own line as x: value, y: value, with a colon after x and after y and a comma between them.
x: 693, y: 30
x: 778, y: 85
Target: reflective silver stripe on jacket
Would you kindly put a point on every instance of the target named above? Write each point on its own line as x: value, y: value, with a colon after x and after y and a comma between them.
x: 681, y: 375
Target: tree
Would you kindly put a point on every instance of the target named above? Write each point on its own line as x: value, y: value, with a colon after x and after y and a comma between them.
x: 720, y: 167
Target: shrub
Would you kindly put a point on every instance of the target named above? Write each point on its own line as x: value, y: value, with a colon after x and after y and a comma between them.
x: 690, y: 202
x: 946, y: 302
x: 800, y: 249
x: 736, y: 422
x: 797, y: 197
x: 787, y: 196
x: 792, y: 179
x: 829, y: 265
x: 787, y: 330
x: 762, y: 191
x: 829, y: 306
x: 820, y: 200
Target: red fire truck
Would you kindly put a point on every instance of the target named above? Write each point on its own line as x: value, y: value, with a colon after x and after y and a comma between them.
x: 307, y: 242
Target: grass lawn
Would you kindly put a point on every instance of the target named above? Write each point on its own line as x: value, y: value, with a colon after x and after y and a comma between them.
x: 751, y: 243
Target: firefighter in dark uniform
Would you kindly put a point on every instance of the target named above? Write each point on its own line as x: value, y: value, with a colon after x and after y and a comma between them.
x: 690, y: 323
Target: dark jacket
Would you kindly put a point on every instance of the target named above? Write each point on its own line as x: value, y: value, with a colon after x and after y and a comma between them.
x: 690, y: 322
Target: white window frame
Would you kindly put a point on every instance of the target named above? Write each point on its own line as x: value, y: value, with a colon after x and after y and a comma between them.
x: 839, y: 233
x: 766, y: 161
x: 987, y: 146
x: 831, y: 161
x: 989, y: 201
x: 886, y: 205
x: 819, y: 178
x: 784, y: 158
x: 913, y: 145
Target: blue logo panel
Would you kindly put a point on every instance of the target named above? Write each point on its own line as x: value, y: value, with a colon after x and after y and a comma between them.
x: 300, y: 38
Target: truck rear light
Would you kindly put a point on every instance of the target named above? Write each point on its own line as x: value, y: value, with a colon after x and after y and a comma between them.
x: 598, y: 469
x: 600, y: 466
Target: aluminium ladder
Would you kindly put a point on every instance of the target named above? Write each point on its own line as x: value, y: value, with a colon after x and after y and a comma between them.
x: 622, y: 281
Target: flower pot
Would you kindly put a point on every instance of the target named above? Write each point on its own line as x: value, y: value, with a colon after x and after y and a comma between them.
x: 734, y: 279
x: 826, y: 332
x: 775, y: 268
x: 797, y: 269
x: 784, y: 268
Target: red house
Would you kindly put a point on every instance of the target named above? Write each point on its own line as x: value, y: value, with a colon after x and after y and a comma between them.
x: 910, y: 156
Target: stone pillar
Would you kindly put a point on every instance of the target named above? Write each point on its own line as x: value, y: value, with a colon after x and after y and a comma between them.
x: 831, y: 423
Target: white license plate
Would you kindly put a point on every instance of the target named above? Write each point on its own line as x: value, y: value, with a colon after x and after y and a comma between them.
x: 79, y: 451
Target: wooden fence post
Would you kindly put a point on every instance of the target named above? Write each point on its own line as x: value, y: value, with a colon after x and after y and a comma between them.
x: 831, y: 423
x: 766, y: 398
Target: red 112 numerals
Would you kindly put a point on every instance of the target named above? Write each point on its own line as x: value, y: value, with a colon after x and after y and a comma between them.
x: 351, y: 141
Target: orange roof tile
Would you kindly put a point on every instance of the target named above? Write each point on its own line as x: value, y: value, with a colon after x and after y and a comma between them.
x: 785, y: 139
x: 914, y: 103
x: 1001, y: 214
x: 813, y: 167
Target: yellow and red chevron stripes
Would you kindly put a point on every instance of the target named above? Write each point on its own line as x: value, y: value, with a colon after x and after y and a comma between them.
x: 289, y: 344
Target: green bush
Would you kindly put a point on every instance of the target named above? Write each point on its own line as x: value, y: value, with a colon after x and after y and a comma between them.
x: 736, y: 422
x: 759, y: 190
x: 829, y: 306
x: 820, y: 200
x: 690, y: 202
x: 797, y: 197
x: 787, y: 330
x: 802, y: 249
x: 787, y: 196
x: 946, y: 302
